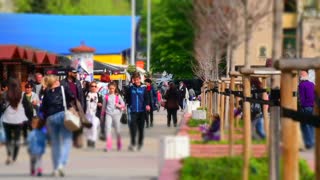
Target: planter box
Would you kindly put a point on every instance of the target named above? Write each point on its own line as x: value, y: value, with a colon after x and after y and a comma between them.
x: 192, y: 105
x: 199, y: 114
x: 173, y: 148
x: 219, y: 150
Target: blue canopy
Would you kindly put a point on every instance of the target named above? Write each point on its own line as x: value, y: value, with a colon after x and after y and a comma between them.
x: 59, y: 33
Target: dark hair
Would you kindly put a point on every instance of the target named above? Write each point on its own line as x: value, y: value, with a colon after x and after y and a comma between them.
x: 135, y: 75
x: 14, y: 93
x: 4, y: 84
x: 28, y: 85
x: 148, y: 81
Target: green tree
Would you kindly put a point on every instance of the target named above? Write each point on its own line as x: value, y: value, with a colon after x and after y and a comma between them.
x: 172, y: 37
x: 75, y: 7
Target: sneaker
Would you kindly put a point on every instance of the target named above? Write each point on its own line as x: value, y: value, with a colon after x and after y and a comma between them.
x: 32, y: 173
x: 132, y: 148
x: 55, y: 173
x: 139, y: 147
x: 8, y: 161
x: 39, y: 172
x: 60, y: 171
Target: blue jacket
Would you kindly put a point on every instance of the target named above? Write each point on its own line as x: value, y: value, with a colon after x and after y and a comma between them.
x: 36, y: 142
x: 137, y: 98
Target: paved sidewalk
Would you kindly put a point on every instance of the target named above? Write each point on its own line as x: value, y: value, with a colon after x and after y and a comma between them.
x: 96, y: 164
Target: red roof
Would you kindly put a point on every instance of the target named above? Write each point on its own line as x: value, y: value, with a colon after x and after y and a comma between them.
x: 13, y: 52
x: 82, y: 48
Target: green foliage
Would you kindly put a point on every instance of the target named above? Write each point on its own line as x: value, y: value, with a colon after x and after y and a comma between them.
x: 194, y: 132
x: 202, y: 108
x: 172, y: 37
x: 231, y: 168
x: 131, y: 68
x: 76, y: 7
x: 197, y: 122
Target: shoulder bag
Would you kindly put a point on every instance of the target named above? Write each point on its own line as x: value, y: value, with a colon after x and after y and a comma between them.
x: 71, y: 116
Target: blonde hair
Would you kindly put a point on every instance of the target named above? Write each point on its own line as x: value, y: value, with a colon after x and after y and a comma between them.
x: 50, y: 80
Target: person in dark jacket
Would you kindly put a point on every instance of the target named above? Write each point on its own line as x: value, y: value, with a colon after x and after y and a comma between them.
x: 138, y: 104
x: 172, y: 104
x: 152, y: 97
x: 306, y: 97
x: 60, y: 137
x: 73, y: 89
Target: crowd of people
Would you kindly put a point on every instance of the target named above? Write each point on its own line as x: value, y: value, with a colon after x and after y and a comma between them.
x: 37, y: 115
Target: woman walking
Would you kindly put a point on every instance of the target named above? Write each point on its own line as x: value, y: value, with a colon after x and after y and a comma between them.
x: 172, y: 104
x: 93, y: 110
x: 112, y: 108
x: 13, y: 118
x: 61, y: 138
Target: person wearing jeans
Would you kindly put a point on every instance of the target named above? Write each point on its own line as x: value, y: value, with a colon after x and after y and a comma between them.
x: 61, y: 138
x: 306, y: 97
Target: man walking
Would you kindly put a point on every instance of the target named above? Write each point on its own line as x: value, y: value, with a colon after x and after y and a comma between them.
x: 73, y: 89
x: 138, y: 103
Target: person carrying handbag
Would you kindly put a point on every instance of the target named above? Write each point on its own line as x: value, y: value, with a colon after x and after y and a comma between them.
x: 54, y: 113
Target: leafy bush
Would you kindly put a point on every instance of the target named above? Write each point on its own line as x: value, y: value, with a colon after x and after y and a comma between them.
x: 202, y: 108
x: 194, y: 132
x: 231, y: 168
x: 197, y: 122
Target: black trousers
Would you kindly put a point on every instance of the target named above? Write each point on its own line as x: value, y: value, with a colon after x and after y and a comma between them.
x: 172, y: 113
x: 13, y: 132
x: 149, y: 117
x: 137, y: 123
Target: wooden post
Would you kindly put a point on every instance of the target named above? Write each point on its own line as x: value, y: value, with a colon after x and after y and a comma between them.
x: 226, y: 109
x: 218, y: 98
x: 209, y: 103
x: 265, y: 111
x: 317, y: 130
x: 289, y: 130
x: 231, y: 116
x: 247, y: 126
x: 222, y: 109
x: 203, y: 89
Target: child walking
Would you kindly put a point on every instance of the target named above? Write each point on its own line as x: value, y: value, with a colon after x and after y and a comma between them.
x: 112, y: 107
x: 36, y: 146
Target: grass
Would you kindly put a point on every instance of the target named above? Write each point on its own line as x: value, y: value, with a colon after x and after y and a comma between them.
x: 197, y: 122
x: 231, y: 168
x: 194, y: 132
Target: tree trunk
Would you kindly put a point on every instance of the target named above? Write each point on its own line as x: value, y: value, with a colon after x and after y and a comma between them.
x: 275, y: 110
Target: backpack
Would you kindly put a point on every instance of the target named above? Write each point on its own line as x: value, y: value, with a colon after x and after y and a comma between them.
x: 117, y: 98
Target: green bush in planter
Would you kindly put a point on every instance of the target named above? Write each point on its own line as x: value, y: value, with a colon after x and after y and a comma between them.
x: 197, y: 122
x: 231, y: 168
x: 202, y: 108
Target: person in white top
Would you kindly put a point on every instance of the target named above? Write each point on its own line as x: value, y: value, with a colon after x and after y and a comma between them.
x: 12, y: 119
x: 112, y: 108
x: 93, y: 104
x: 30, y: 102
